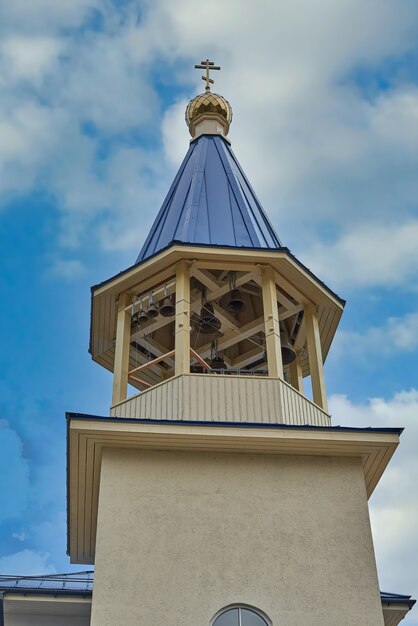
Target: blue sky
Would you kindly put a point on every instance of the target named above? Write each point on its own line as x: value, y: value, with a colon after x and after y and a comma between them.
x: 325, y: 100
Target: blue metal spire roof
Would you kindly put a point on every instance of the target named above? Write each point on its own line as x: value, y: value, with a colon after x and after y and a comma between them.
x: 210, y: 202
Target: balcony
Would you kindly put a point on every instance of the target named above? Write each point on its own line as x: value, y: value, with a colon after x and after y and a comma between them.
x: 223, y: 398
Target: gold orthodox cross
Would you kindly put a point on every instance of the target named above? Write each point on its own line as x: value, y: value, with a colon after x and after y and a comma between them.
x: 207, y: 65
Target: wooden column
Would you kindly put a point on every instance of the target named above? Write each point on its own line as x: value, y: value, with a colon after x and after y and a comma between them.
x: 182, y: 328
x: 271, y: 324
x: 123, y: 337
x: 315, y: 358
x: 296, y: 376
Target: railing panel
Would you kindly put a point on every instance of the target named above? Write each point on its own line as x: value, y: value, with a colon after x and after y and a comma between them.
x: 223, y: 398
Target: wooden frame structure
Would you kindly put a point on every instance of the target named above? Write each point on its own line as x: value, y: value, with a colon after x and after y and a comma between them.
x: 273, y: 300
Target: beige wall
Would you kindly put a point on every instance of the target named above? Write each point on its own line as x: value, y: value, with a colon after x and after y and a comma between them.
x: 181, y: 535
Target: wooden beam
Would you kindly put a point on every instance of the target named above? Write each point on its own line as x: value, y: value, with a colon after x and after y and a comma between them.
x: 140, y: 381
x: 253, y: 290
x: 152, y: 374
x: 232, y: 337
x: 163, y: 357
x: 122, y: 347
x: 220, y: 265
x: 316, y: 364
x: 144, y: 286
x: 205, y: 278
x: 296, y: 375
x: 182, y: 324
x: 291, y: 289
x: 199, y: 359
x: 271, y: 323
x: 288, y: 304
x: 289, y: 312
x: 157, y: 294
x: 301, y: 337
x: 152, y: 326
x: 155, y: 347
x: 248, y: 357
x: 226, y: 318
x: 215, y: 294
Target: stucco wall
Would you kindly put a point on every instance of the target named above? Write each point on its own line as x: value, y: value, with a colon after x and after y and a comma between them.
x: 181, y: 535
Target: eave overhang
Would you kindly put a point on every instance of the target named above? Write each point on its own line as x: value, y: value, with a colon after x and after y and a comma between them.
x: 88, y: 436
x: 395, y: 607
x: 127, y: 273
x: 396, y: 600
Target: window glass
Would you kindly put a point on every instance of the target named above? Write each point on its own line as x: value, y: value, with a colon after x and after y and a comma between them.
x: 239, y: 616
x: 228, y: 618
x: 250, y: 618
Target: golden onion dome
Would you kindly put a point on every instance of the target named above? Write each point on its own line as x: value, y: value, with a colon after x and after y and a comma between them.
x: 208, y: 106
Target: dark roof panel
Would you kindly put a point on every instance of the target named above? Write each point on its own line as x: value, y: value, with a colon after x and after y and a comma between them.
x: 73, y: 582
x: 146, y: 420
x: 82, y: 583
x: 210, y: 202
x: 397, y: 598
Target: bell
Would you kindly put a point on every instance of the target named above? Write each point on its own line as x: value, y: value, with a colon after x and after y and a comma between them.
x: 152, y: 311
x: 216, y: 358
x: 288, y: 351
x: 235, y: 303
x: 218, y: 363
x: 167, y: 309
x: 134, y: 321
x: 208, y: 324
x: 142, y: 316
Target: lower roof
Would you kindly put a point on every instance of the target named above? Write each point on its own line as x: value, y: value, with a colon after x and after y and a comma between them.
x: 70, y: 583
x: 368, y: 429
x: 81, y: 583
x: 396, y: 598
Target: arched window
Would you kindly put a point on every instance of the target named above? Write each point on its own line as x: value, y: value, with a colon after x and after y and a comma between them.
x: 240, y: 615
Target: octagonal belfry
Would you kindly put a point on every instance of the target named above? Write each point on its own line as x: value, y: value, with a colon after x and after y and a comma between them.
x: 217, y: 320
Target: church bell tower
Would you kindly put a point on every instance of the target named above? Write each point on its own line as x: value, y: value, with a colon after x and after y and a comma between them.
x: 218, y: 491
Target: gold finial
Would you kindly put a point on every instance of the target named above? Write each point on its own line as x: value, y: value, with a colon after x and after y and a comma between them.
x: 207, y: 65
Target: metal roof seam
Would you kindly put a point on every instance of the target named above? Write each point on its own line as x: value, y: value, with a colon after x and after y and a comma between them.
x: 228, y: 202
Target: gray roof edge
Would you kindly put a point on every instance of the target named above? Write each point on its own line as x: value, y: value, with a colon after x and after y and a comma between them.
x: 88, y: 417
x: 46, y: 592
x: 396, y: 598
x: 386, y: 598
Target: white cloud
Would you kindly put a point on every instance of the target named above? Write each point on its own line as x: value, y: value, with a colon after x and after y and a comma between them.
x: 46, y: 15
x: 22, y: 536
x: 28, y: 58
x: 175, y: 136
x: 394, y: 506
x: 71, y: 101
x: 106, y: 85
x: 371, y: 254
x: 15, y: 492
x: 68, y: 269
x: 26, y: 563
x: 397, y: 334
